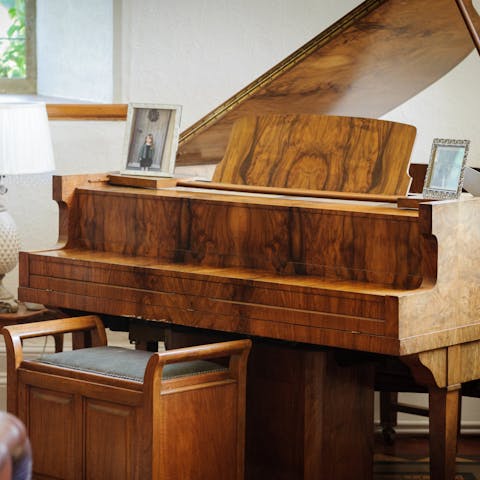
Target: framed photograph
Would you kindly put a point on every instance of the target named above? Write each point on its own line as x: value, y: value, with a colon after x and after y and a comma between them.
x: 444, y: 178
x: 151, y: 139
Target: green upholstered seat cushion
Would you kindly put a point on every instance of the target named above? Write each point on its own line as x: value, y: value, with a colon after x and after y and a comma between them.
x: 123, y: 363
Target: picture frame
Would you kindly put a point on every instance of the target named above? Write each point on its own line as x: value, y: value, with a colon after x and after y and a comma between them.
x: 151, y: 139
x: 445, y: 171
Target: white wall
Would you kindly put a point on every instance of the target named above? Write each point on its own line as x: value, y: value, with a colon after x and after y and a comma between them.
x: 75, y: 49
x: 447, y: 109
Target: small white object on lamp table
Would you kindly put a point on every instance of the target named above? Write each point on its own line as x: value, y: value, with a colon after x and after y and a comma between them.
x: 25, y: 148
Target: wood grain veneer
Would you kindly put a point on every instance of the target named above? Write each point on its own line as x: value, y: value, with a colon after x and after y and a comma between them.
x: 87, y: 111
x: 319, y: 152
x: 347, y: 274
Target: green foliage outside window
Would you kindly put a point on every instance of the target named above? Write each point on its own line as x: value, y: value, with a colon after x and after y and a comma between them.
x: 12, y: 47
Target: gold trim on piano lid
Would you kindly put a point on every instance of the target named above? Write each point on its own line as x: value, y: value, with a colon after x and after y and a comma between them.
x: 336, y: 29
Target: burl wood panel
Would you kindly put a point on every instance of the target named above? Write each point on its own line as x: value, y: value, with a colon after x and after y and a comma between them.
x: 455, y: 226
x: 351, y: 68
x: 380, y: 247
x: 364, y: 65
x: 195, y: 259
x: 319, y: 152
x: 363, y: 276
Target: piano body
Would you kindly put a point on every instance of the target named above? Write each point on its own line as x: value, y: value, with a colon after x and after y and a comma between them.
x: 301, y: 242
x: 355, y: 272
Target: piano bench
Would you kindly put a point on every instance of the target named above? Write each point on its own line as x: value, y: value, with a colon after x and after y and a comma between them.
x: 116, y: 413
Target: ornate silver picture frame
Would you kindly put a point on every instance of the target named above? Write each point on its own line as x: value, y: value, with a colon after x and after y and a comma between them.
x: 151, y: 139
x: 444, y: 178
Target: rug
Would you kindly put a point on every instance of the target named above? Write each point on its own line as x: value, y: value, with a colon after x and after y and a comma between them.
x: 419, y: 470
x: 419, y: 476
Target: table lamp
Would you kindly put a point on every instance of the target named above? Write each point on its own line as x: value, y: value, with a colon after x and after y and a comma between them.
x: 25, y: 148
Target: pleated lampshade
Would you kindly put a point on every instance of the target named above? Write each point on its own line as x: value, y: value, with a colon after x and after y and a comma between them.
x: 25, y: 148
x: 25, y: 143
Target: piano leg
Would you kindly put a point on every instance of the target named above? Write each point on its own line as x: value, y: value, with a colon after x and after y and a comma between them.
x: 444, y: 408
x: 146, y: 335
x: 443, y: 371
x: 308, y: 418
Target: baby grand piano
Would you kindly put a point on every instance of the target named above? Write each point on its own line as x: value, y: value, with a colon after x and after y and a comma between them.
x: 344, y: 268
x: 300, y: 241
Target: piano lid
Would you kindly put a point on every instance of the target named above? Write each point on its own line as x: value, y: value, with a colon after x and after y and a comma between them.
x: 370, y: 61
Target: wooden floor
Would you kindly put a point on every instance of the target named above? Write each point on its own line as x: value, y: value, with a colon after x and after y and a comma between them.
x: 407, y: 458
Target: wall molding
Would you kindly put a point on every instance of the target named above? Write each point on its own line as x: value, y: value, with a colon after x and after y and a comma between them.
x: 90, y: 111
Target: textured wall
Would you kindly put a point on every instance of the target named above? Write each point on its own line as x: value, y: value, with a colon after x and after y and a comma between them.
x: 75, y: 49
x: 447, y: 109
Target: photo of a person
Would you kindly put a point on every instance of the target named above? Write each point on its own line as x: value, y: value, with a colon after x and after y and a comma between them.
x: 145, y: 157
x: 151, y: 139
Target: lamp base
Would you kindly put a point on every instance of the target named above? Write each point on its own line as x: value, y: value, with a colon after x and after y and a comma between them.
x: 8, y: 304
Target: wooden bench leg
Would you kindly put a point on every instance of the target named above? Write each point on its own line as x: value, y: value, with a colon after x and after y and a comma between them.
x: 58, y: 339
x: 444, y: 407
x: 388, y: 415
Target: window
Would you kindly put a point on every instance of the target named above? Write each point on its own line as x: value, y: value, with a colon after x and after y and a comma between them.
x: 18, y: 70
